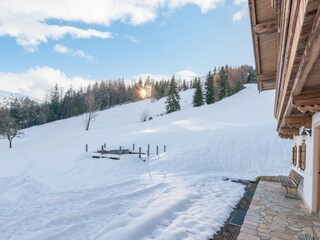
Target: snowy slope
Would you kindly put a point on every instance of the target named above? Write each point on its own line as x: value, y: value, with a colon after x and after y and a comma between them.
x: 7, y: 97
x: 51, y: 189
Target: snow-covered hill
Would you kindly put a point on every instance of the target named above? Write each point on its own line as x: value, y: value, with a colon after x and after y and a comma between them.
x: 51, y: 189
x: 7, y: 97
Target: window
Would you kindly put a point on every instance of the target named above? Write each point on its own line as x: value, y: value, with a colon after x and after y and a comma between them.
x: 294, y: 155
x: 302, y: 156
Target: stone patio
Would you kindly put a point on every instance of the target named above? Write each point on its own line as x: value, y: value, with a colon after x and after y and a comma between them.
x: 272, y: 216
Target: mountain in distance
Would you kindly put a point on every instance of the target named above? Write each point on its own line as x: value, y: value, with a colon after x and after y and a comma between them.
x: 6, y: 97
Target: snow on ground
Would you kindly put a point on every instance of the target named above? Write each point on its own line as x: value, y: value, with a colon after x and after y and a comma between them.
x: 51, y: 189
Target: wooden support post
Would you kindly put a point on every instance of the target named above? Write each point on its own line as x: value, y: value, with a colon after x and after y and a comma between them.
x: 164, y: 148
x: 86, y: 147
x: 148, y: 153
x: 140, y: 152
x: 133, y: 147
x: 157, y: 150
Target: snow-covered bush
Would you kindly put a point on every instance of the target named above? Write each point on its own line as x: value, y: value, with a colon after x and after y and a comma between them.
x: 144, y: 115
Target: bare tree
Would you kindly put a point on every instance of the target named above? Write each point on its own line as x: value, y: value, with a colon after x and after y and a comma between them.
x: 92, y: 108
x: 9, y: 129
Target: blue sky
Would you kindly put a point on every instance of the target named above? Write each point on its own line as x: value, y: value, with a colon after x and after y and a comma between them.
x: 164, y: 37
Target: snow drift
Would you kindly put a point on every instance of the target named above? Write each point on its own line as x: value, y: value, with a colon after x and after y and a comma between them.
x: 51, y: 189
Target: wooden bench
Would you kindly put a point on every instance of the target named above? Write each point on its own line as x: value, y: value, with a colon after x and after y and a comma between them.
x: 291, y: 182
x: 305, y: 236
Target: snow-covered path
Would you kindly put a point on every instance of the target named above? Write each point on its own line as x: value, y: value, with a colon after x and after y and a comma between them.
x: 51, y: 189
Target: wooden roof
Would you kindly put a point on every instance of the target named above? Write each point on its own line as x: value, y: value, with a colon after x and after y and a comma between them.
x: 265, y: 41
x: 286, y: 38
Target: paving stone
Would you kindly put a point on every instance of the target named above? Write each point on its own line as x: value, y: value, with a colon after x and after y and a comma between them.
x: 251, y: 226
x: 281, y: 235
x: 272, y: 216
x: 249, y: 231
x: 264, y: 235
x: 247, y: 236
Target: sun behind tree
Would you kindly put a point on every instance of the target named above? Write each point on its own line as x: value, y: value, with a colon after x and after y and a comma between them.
x: 143, y: 93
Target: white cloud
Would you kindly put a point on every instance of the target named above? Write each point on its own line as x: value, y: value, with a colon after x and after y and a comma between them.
x: 59, y: 48
x: 35, y: 82
x: 240, y: 2
x: 204, y: 5
x: 243, y: 4
x: 238, y: 15
x: 29, y: 21
x: 186, y: 74
x: 132, y: 39
x: 152, y: 76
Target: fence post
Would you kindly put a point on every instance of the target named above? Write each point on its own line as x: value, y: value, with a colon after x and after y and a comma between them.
x: 148, y: 153
x: 120, y: 150
x: 157, y: 150
x: 165, y: 148
x: 105, y: 145
x: 101, y: 149
x: 86, y: 147
x: 140, y: 152
x: 133, y: 147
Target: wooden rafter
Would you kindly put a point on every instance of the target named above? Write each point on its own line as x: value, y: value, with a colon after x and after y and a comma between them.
x: 298, y: 121
x: 311, y: 54
x: 253, y: 18
x: 285, y: 136
x: 267, y: 81
x: 265, y: 28
x: 293, y: 15
x: 309, y: 17
x: 284, y: 20
x: 307, y: 98
x: 289, y: 131
x: 266, y: 77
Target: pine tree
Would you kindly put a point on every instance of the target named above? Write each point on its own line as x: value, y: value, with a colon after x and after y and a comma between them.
x: 198, y: 95
x: 184, y: 85
x: 209, y: 89
x: 173, y: 99
x: 54, y: 105
x: 222, y: 84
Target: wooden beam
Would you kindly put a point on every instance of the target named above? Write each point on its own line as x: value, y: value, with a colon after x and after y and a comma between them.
x: 298, y: 121
x: 307, y: 98
x: 265, y: 28
x: 298, y: 118
x: 292, y: 19
x: 286, y: 136
x: 289, y: 131
x: 266, y: 77
x: 266, y: 81
x: 311, y: 54
x: 284, y: 91
x: 307, y: 101
x: 253, y: 20
x: 268, y: 85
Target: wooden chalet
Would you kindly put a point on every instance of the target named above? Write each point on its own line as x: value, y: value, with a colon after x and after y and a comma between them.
x: 286, y: 40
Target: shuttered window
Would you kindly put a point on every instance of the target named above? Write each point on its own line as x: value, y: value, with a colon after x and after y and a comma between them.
x: 300, y: 156
x: 303, y: 156
x: 294, y: 155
